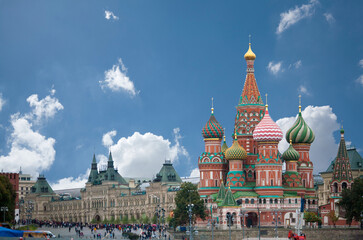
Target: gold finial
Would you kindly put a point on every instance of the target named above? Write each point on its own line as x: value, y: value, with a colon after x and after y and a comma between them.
x: 266, y: 102
x: 249, y: 39
x: 249, y: 54
x: 212, y: 107
x: 235, y: 135
x: 224, y: 136
x: 290, y: 142
x: 300, y: 103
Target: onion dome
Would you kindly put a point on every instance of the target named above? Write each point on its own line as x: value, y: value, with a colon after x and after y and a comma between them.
x: 224, y: 145
x: 291, y: 154
x: 249, y: 54
x: 236, y: 152
x: 267, y: 130
x: 300, y: 132
x: 212, y: 128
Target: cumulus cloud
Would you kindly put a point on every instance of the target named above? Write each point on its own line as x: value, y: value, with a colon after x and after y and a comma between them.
x: 294, y: 15
x: 110, y: 15
x: 2, y: 101
x: 298, y: 64
x: 148, y: 151
x: 195, y: 173
x: 323, y: 121
x: 275, y: 68
x: 360, y: 80
x: 107, y: 138
x: 70, y: 182
x: 44, y: 108
x: 29, y: 148
x: 329, y: 18
x: 116, y: 79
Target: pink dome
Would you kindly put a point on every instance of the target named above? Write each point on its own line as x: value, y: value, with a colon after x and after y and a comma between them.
x: 267, y: 130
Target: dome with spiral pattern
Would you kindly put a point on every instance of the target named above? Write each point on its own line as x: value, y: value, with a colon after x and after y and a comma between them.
x: 300, y: 132
x: 212, y: 128
x: 291, y: 154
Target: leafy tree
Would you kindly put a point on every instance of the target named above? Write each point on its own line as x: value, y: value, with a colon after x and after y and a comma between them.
x: 352, y: 201
x: 333, y: 218
x: 125, y: 219
x: 154, y: 219
x: 7, y: 197
x: 188, y: 194
x: 133, y: 220
x: 146, y: 220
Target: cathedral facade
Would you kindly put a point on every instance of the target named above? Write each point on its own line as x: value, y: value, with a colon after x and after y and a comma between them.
x: 246, y: 180
x: 106, y: 196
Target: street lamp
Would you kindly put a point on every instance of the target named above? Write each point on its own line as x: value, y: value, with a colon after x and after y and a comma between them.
x: 29, y: 210
x: 190, y: 212
x: 243, y: 215
x: 230, y: 219
x: 276, y: 216
x: 4, y: 209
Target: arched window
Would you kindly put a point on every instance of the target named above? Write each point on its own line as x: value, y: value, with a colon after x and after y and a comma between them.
x: 289, y: 201
x: 335, y: 187
x: 344, y: 185
x: 252, y: 201
x: 264, y: 201
x: 271, y: 201
x: 276, y: 201
x: 247, y: 201
x: 295, y: 200
x: 260, y: 201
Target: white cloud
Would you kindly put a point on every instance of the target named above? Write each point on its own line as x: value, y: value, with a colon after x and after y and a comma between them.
x: 110, y: 15
x: 2, y: 101
x: 116, y: 79
x: 329, y: 18
x: 323, y: 121
x: 293, y: 16
x: 44, y: 108
x: 360, y: 80
x: 70, y: 182
x: 361, y: 63
x: 195, y: 173
x: 275, y: 68
x: 298, y: 64
x: 147, y: 151
x: 304, y: 90
x: 28, y: 148
x: 107, y: 138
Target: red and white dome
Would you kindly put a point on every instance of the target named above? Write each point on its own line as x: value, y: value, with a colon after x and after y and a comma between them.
x: 267, y: 130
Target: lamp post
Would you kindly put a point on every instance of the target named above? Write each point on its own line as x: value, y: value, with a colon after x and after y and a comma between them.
x: 259, y: 218
x: 243, y: 215
x: 163, y: 221
x: 229, y: 222
x: 29, y: 210
x: 4, y: 209
x: 190, y: 212
x: 276, y: 216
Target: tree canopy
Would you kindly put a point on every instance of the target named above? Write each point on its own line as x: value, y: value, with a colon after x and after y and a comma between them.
x: 7, y: 197
x: 188, y: 193
x: 352, y: 201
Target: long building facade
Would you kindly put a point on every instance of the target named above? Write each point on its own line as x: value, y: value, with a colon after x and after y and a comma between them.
x: 246, y: 180
x: 106, y: 196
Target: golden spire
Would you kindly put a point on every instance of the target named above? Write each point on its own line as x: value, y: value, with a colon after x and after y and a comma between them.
x: 300, y: 103
x: 266, y: 102
x: 212, y: 109
x: 235, y: 135
x: 290, y: 142
x: 249, y: 54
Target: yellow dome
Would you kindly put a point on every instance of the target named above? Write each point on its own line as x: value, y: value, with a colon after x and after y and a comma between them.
x: 249, y: 54
x: 236, y: 151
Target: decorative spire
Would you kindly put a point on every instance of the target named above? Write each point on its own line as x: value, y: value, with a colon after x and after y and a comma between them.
x: 222, y: 192
x: 342, y: 169
x: 224, y: 146
x: 110, y: 161
x: 229, y: 199
x: 266, y: 103
x: 212, y: 109
x: 300, y: 103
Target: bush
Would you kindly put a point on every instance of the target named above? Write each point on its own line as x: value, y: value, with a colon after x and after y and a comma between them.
x: 130, y: 235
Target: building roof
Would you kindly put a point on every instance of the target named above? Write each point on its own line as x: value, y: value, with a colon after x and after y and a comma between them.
x: 167, y: 174
x: 267, y: 129
x: 356, y: 161
x: 212, y: 128
x: 229, y: 199
x: 41, y: 186
x: 300, y: 132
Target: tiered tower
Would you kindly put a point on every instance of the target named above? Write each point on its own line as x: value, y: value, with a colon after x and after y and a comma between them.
x: 268, y: 165
x: 342, y: 175
x: 291, y: 179
x: 301, y: 137
x: 250, y: 111
x: 212, y: 164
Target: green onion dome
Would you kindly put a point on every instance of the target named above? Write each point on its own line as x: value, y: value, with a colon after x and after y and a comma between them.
x: 291, y: 154
x: 224, y: 145
x: 236, y: 152
x: 212, y: 128
x: 300, y: 132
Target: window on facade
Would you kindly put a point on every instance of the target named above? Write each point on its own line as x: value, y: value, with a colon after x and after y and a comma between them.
x: 247, y: 201
x: 252, y: 201
x: 271, y: 201
x: 275, y: 201
x: 295, y: 200
x: 260, y: 200
x: 272, y: 182
x: 289, y: 201
x: 264, y: 201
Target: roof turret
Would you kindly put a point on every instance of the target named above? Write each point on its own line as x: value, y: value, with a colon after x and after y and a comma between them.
x: 229, y: 199
x: 291, y: 154
x: 224, y: 145
x: 236, y: 152
x: 94, y: 172
x: 249, y: 55
x: 222, y: 192
x: 212, y: 128
x: 267, y: 130
x: 42, y: 186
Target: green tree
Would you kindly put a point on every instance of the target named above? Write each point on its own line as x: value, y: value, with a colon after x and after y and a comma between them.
x: 352, y: 201
x: 311, y: 217
x: 188, y: 193
x: 125, y: 220
x: 154, y: 219
x: 333, y: 218
x: 7, y: 198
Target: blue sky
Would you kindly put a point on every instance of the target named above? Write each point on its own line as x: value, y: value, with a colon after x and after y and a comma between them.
x: 137, y: 77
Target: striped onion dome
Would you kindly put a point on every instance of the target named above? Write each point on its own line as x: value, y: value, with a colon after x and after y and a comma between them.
x: 236, y: 152
x: 291, y: 154
x: 212, y: 128
x: 224, y: 145
x: 300, y: 132
x: 267, y: 130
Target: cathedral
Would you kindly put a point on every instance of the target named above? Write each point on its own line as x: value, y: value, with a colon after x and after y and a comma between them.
x: 246, y: 180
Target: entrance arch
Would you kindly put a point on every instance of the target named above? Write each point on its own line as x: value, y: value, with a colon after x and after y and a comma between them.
x: 97, y: 218
x: 251, y: 219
